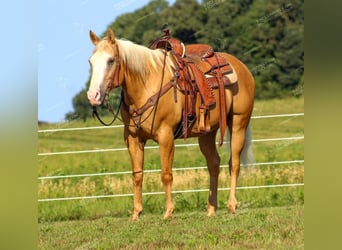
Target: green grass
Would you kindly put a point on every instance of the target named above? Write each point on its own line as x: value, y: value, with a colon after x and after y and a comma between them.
x: 268, y: 218
x: 263, y: 228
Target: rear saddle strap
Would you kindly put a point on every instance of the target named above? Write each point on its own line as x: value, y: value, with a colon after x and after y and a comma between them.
x: 222, y: 101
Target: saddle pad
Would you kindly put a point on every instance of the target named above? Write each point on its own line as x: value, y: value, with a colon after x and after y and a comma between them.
x: 228, y: 78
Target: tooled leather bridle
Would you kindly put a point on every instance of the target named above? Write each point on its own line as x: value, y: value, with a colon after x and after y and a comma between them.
x: 112, y: 84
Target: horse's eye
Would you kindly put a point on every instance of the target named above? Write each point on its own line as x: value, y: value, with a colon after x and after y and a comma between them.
x: 110, y: 62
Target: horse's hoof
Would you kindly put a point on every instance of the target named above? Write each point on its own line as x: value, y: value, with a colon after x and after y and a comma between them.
x: 232, y: 205
x: 211, y: 211
x: 135, y: 217
x: 211, y: 214
x: 168, y: 214
x: 231, y: 209
x: 167, y: 217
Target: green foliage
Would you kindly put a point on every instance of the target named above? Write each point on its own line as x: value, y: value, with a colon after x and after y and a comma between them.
x: 268, y: 36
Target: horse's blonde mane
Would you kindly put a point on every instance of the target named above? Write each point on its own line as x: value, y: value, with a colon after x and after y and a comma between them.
x: 139, y: 59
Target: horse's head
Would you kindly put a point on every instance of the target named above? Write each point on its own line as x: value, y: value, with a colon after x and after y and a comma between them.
x: 105, y: 67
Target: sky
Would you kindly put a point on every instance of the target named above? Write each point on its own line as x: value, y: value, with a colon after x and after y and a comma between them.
x: 64, y: 48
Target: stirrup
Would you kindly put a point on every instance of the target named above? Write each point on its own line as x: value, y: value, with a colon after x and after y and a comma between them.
x: 204, y: 120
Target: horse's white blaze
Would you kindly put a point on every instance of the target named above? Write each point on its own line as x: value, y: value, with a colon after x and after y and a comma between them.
x: 97, y: 87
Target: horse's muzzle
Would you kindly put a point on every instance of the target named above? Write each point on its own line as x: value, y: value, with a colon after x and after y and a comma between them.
x: 94, y: 97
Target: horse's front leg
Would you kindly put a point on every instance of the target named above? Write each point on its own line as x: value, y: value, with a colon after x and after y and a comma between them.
x: 167, y: 149
x: 135, y: 147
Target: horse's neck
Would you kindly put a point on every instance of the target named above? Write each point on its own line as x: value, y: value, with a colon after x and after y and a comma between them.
x: 144, y: 79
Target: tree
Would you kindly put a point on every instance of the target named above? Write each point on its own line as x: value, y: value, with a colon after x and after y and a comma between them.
x: 184, y: 20
x: 81, y: 106
x: 143, y: 25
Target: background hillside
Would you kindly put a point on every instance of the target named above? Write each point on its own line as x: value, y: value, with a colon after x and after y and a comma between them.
x: 268, y: 36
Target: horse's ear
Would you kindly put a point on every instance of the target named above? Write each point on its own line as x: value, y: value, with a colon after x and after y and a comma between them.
x: 110, y: 35
x: 93, y: 37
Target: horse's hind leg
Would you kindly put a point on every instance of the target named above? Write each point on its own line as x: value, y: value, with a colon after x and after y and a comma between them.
x: 208, y: 148
x: 238, y: 133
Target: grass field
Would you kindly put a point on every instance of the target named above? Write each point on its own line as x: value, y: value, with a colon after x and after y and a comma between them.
x: 267, y: 218
x: 264, y: 228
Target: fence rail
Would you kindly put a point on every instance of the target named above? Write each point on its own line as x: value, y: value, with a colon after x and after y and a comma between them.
x: 174, y: 192
x: 159, y: 170
x: 155, y: 147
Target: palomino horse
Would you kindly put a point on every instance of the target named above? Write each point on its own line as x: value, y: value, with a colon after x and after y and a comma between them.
x: 142, y: 72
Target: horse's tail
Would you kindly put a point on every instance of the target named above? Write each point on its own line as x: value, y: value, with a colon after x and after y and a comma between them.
x: 247, y: 156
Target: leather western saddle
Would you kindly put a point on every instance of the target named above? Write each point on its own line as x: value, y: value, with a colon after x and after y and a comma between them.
x: 199, y: 70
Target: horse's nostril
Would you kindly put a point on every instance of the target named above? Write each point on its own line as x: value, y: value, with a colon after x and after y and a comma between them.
x: 97, y: 95
x: 93, y: 94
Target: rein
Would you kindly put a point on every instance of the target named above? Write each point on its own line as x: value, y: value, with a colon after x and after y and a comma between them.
x: 110, y: 108
x: 160, y: 88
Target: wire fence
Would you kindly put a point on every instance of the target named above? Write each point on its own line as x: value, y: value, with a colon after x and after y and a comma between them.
x: 299, y: 161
